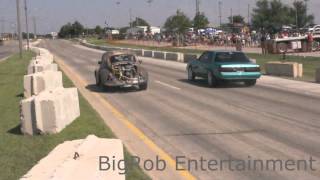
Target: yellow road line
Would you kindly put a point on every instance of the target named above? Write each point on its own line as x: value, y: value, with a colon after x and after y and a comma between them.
x: 185, y: 174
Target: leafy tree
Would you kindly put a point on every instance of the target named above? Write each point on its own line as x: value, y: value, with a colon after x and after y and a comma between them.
x: 299, y: 11
x: 237, y: 19
x: 123, y: 30
x: 139, y: 22
x: 177, y: 23
x: 200, y: 21
x: 71, y: 30
x: 271, y: 15
x: 65, y: 31
x: 77, y: 29
x: 98, y: 30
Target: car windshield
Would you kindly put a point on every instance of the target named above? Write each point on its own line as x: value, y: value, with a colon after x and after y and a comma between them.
x: 231, y: 57
x: 122, y: 57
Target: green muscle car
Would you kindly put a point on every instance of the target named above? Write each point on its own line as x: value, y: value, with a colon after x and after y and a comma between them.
x: 219, y: 66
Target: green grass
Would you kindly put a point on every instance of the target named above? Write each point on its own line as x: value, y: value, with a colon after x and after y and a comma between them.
x: 19, y: 153
x: 310, y: 64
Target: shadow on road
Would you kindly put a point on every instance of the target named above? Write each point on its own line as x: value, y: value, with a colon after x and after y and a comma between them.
x: 111, y: 90
x: 204, y: 83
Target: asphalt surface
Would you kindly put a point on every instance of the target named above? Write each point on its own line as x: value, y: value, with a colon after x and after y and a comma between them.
x: 8, y: 48
x: 232, y: 121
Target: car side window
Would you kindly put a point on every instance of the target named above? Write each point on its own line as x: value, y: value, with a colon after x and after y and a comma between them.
x: 206, y: 57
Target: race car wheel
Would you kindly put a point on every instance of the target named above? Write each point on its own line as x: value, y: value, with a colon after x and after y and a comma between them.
x: 191, y: 75
x: 97, y: 79
x: 212, y: 81
x: 250, y: 82
x: 143, y: 86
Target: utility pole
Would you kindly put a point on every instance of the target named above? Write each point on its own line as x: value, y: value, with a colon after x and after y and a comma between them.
x: 34, y: 27
x: 2, y: 27
x: 248, y: 14
x: 130, y: 16
x: 220, y: 14
x: 197, y: 7
x: 27, y: 25
x: 231, y: 12
x: 19, y: 27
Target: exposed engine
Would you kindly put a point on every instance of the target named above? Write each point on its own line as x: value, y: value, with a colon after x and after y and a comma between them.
x: 124, y: 71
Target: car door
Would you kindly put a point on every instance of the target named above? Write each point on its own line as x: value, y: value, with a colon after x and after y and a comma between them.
x: 198, y: 65
x: 205, y: 64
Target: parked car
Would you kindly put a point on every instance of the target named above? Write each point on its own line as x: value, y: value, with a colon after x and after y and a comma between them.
x: 1, y: 42
x: 219, y: 66
x: 121, y: 69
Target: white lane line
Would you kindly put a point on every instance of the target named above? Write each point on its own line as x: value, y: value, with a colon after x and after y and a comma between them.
x: 167, y: 85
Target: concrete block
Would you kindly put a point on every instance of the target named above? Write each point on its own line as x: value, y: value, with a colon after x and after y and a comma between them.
x: 28, y: 116
x: 253, y: 60
x: 147, y: 53
x: 41, y: 81
x: 290, y: 69
x: 60, y: 163
x: 56, y: 109
x: 50, y: 111
x: 172, y: 56
x: 318, y: 75
x: 180, y: 57
x: 38, y: 66
x: 138, y: 52
x: 158, y: 55
x: 189, y: 57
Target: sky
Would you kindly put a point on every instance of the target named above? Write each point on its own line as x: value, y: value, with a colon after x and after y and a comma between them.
x: 50, y: 15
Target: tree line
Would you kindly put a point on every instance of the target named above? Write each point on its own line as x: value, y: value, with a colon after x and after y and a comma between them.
x: 268, y: 16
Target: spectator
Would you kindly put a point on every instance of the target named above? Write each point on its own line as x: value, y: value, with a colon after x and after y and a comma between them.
x: 263, y: 43
x: 310, y: 41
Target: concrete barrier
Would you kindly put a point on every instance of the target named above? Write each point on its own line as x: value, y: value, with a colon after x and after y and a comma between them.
x: 138, y: 52
x: 43, y: 81
x: 290, y: 69
x: 189, y: 57
x: 159, y: 55
x: 34, y: 68
x: 147, y: 53
x: 28, y: 116
x: 253, y: 60
x: 172, y: 56
x: 318, y: 75
x: 50, y: 111
x: 56, y: 109
x: 63, y: 163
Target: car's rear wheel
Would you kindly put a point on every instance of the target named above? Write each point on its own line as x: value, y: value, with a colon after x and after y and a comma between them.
x: 212, y: 81
x: 143, y: 86
x: 191, y: 75
x: 97, y: 78
x: 250, y: 82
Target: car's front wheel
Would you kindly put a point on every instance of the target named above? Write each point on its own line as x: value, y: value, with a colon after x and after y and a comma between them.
x: 191, y: 75
x: 212, y: 81
x: 250, y: 82
x: 97, y: 78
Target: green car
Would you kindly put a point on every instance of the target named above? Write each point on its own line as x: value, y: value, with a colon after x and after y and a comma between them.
x: 220, y: 66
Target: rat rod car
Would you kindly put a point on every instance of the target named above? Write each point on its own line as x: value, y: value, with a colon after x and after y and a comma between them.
x: 121, y: 69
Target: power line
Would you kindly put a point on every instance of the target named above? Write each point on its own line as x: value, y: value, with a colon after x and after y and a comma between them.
x: 19, y: 27
x: 197, y: 7
x: 27, y: 25
x: 220, y: 14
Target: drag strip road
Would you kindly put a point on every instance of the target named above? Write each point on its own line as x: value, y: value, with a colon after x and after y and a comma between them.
x: 229, y: 122
x: 8, y: 48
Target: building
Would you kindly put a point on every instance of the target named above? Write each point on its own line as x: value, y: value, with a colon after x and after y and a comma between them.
x: 144, y: 29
